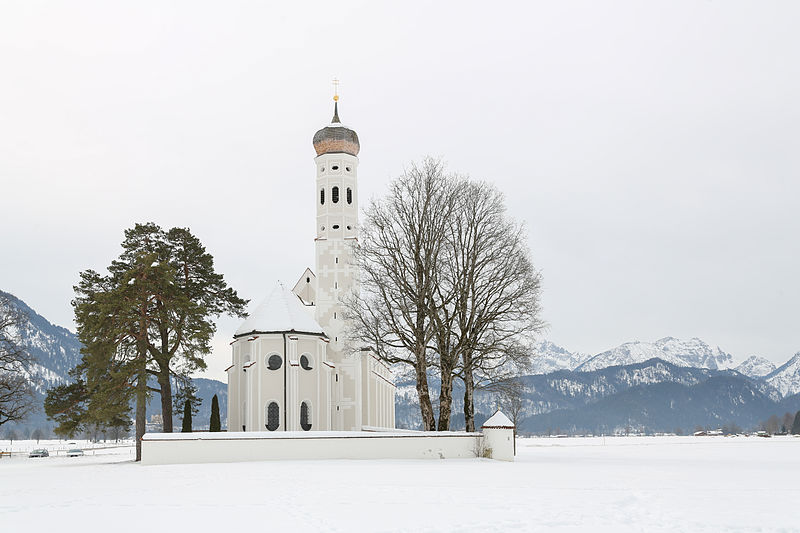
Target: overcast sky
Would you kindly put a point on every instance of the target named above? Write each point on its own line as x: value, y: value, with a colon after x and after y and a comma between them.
x: 651, y: 148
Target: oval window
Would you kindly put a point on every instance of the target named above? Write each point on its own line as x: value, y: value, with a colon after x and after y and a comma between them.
x: 305, y: 416
x: 349, y: 196
x: 335, y: 195
x: 305, y: 362
x: 274, y: 361
x: 273, y: 416
x: 322, y: 197
x: 335, y: 167
x: 336, y: 226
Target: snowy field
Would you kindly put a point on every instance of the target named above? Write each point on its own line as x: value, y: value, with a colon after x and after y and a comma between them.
x: 573, y: 484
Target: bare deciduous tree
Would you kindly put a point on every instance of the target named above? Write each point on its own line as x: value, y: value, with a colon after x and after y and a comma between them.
x: 497, y: 291
x: 16, y: 392
x: 447, y: 281
x: 399, y: 256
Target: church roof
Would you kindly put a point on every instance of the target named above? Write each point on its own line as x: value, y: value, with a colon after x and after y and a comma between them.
x: 280, y: 312
x: 336, y: 137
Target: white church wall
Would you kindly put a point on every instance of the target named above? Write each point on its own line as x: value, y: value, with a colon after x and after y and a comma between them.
x: 172, y: 448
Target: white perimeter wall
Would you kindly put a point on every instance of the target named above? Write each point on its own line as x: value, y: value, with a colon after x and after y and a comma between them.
x: 173, y: 448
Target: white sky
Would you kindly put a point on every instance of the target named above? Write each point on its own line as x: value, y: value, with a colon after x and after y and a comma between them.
x: 652, y: 148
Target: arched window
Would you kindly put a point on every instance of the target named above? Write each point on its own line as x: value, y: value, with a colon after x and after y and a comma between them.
x: 335, y: 195
x: 322, y: 196
x: 274, y: 361
x: 349, y: 195
x: 273, y: 416
x: 306, y: 362
x: 305, y: 416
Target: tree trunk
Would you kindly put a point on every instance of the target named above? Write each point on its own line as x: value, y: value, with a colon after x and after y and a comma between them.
x: 166, y: 401
x: 445, y: 398
x: 141, y: 411
x: 469, y: 404
x: 425, y: 407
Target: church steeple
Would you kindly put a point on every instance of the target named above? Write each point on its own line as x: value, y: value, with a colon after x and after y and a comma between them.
x: 336, y: 137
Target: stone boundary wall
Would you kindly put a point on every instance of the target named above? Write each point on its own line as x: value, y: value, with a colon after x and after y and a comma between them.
x: 182, y: 448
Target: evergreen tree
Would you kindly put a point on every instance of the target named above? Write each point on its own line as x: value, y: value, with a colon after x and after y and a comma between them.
x: 151, y: 315
x: 796, y: 424
x: 187, y: 417
x: 215, y: 425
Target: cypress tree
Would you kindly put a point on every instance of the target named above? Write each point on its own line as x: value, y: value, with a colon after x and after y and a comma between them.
x: 187, y: 417
x: 214, y: 425
x: 796, y: 424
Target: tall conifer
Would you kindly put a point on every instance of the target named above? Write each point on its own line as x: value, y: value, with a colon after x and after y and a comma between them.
x: 187, y: 417
x: 214, y: 425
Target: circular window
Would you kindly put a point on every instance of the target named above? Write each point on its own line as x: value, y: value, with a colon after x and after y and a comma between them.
x: 348, y: 227
x: 305, y: 362
x: 347, y: 169
x: 274, y: 361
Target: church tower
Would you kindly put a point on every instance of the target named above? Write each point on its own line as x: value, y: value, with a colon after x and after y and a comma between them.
x: 336, y: 197
x: 337, y: 225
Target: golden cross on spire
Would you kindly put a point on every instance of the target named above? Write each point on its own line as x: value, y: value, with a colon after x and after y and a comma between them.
x: 335, y: 89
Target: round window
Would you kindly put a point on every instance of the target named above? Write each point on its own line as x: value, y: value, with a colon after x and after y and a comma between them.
x: 274, y: 361
x: 305, y: 362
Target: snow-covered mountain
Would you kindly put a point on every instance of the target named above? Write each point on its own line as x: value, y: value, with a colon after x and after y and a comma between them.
x: 756, y: 367
x: 549, y: 357
x: 55, y: 349
x: 689, y: 353
x: 786, y: 378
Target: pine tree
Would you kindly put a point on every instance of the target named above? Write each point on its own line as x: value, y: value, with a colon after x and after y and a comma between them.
x: 187, y: 417
x: 214, y: 425
x: 796, y: 424
x: 150, y: 316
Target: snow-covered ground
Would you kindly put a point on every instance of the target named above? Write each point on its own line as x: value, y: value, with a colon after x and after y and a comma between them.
x: 571, y: 484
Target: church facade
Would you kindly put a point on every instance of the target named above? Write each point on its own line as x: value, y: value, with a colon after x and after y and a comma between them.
x: 291, y: 366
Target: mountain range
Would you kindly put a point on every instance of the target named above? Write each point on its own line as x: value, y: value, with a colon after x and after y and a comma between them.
x: 56, y: 350
x: 654, y: 386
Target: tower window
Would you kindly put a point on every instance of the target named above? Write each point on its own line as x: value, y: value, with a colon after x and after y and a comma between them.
x: 274, y: 361
x: 347, y: 169
x: 335, y: 195
x: 322, y: 197
x: 308, y: 280
x: 273, y: 416
x: 335, y: 167
x: 305, y: 362
x: 336, y: 226
x: 305, y: 416
x: 348, y: 227
x: 349, y: 195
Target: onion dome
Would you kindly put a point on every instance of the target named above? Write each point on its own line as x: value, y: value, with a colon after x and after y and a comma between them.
x: 336, y: 138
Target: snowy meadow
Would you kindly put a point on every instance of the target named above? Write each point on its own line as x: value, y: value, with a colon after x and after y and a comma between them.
x: 566, y: 484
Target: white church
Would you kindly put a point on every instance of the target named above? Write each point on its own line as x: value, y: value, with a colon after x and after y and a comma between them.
x: 291, y: 369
